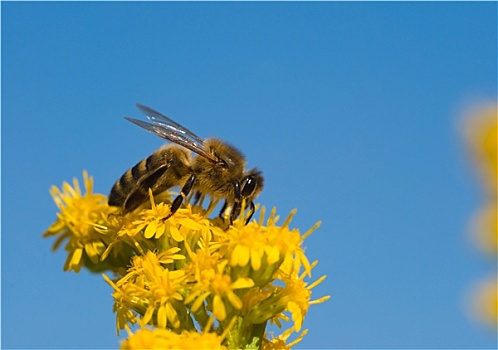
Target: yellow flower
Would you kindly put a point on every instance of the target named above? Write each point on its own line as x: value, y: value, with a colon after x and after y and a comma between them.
x: 215, y: 283
x: 151, y: 291
x: 203, y: 283
x: 153, y: 220
x: 165, y: 339
x: 299, y: 295
x: 79, y: 213
x: 281, y: 342
x: 294, y: 297
x: 184, y: 224
x: 256, y: 250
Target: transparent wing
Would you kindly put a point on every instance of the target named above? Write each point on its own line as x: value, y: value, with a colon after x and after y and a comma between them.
x: 172, y: 134
x: 160, y: 119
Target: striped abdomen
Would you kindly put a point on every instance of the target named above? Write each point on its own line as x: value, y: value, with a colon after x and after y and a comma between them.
x: 167, y: 167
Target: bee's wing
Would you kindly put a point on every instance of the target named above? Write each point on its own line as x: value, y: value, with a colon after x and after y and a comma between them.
x: 171, y: 133
x: 160, y: 119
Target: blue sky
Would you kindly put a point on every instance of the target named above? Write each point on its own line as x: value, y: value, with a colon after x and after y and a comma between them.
x: 352, y: 111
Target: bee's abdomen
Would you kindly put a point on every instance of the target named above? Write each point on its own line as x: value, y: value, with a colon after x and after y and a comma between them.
x: 161, y: 170
x: 127, y: 183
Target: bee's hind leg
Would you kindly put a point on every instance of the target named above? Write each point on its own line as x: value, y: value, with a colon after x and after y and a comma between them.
x: 187, y: 187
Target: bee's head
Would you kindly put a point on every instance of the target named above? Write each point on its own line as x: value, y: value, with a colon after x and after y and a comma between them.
x: 251, y: 184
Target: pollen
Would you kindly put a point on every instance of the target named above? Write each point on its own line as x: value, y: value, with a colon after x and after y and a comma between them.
x: 221, y: 284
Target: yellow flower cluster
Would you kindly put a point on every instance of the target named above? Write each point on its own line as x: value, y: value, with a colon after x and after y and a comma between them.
x: 79, y: 221
x: 158, y: 339
x: 482, y: 137
x: 189, y: 281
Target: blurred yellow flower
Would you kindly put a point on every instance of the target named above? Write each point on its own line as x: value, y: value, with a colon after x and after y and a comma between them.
x: 481, y: 130
x: 482, y: 136
x: 485, y: 303
x: 485, y: 228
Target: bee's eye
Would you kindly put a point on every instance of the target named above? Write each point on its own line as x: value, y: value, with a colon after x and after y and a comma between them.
x: 248, y: 186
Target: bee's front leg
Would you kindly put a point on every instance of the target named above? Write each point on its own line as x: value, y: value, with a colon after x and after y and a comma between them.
x: 235, y: 209
x: 251, y: 212
x: 183, y: 194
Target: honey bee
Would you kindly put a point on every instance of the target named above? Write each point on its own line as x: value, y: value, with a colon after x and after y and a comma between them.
x: 216, y: 169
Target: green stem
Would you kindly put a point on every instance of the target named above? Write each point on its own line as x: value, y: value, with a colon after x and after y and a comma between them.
x: 246, y: 336
x: 256, y: 338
